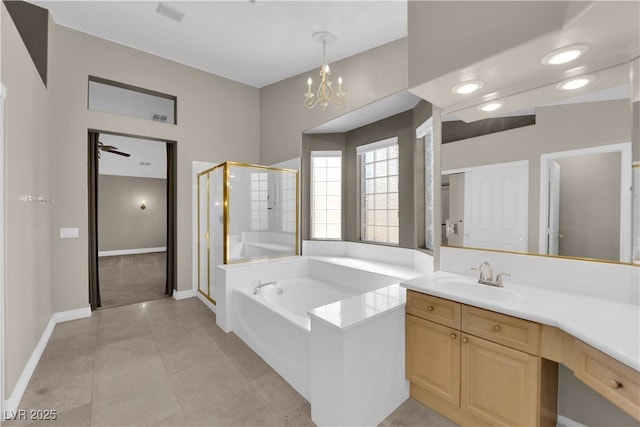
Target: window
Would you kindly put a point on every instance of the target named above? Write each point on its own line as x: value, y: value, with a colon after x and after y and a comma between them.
x: 326, y: 195
x: 259, y: 198
x: 288, y: 202
x: 425, y: 132
x: 119, y: 98
x: 379, y: 191
x: 429, y: 241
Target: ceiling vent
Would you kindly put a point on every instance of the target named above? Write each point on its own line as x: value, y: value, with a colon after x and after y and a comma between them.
x: 159, y: 118
x: 169, y: 12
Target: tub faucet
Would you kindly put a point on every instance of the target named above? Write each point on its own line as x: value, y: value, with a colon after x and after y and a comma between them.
x: 260, y: 285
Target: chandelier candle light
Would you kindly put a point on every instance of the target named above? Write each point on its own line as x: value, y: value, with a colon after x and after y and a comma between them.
x: 325, y: 94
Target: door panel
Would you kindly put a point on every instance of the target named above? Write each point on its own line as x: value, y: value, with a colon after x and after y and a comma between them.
x: 433, y: 358
x: 499, y: 384
x: 496, y: 207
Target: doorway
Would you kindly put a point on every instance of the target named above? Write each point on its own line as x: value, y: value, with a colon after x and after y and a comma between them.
x: 587, y: 189
x: 132, y: 219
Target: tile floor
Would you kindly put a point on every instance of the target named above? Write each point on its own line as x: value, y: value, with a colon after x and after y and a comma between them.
x: 166, y: 363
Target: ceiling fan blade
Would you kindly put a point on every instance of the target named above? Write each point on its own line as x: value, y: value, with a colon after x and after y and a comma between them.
x: 119, y: 153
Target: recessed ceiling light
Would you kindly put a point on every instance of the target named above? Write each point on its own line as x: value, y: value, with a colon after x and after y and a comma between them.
x: 577, y: 83
x: 564, y: 55
x: 491, y: 106
x: 467, y: 87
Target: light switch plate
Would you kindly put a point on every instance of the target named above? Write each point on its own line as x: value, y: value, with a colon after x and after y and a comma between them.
x: 69, y: 233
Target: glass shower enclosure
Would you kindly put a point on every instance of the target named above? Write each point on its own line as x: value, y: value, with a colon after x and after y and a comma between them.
x: 245, y: 213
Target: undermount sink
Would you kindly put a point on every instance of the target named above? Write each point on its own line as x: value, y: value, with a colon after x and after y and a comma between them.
x: 471, y: 288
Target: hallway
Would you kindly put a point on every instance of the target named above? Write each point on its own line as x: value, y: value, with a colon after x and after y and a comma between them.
x: 166, y: 363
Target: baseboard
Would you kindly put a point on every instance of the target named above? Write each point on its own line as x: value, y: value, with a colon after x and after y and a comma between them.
x: 206, y: 302
x: 568, y: 422
x: 11, y: 404
x: 178, y: 295
x: 132, y: 251
x: 66, y: 316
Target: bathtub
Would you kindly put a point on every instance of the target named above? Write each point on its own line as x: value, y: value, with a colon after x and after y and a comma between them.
x: 275, y: 323
x: 331, y: 299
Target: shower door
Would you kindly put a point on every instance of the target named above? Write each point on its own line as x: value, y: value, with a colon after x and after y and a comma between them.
x: 210, y: 203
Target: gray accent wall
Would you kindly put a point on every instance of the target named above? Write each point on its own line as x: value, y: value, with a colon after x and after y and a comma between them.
x: 590, y: 200
x: 121, y: 222
x: 411, y: 173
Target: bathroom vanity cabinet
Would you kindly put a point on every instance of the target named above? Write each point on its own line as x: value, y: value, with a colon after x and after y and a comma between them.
x: 479, y: 367
x: 476, y: 366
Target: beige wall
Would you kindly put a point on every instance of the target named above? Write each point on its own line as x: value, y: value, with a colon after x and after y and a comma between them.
x: 121, y: 222
x: 484, y: 22
x: 217, y: 120
x: 557, y: 128
x: 27, y: 234
x: 368, y: 76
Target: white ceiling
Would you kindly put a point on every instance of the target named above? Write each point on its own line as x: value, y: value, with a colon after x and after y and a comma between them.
x: 148, y: 158
x: 257, y: 43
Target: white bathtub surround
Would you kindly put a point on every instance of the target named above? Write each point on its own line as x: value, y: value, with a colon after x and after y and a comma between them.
x: 415, y: 260
x: 351, y: 346
x: 277, y: 326
x: 246, y: 276
x: 610, y: 326
x: 358, y: 359
x: 609, y: 281
x: 357, y: 371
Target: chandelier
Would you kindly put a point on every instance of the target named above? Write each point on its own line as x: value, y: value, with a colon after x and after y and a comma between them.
x: 325, y: 94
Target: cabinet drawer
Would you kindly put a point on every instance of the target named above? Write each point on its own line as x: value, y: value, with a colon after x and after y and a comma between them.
x: 502, y: 329
x: 612, y: 379
x: 432, y: 308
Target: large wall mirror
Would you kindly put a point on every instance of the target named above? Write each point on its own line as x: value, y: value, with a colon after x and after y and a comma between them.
x: 559, y: 182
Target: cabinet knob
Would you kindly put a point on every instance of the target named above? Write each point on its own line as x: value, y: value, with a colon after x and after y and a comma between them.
x: 615, y: 384
x: 453, y: 336
x: 496, y: 328
x: 465, y: 340
x: 430, y: 308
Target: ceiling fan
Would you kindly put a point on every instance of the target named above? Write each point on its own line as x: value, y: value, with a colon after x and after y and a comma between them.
x: 111, y: 149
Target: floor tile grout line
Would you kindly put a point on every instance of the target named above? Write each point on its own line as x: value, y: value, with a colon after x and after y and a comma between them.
x: 155, y: 343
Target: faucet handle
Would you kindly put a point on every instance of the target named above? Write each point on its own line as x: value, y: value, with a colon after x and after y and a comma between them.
x: 499, y: 278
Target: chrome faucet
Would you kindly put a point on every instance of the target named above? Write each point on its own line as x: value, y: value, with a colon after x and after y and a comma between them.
x: 486, y: 275
x: 256, y: 290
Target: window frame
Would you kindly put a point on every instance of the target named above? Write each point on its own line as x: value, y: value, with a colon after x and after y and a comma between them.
x: 361, y: 152
x: 326, y: 154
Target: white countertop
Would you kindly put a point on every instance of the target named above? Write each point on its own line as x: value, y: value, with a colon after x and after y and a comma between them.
x: 351, y: 311
x: 386, y: 269
x: 609, y: 326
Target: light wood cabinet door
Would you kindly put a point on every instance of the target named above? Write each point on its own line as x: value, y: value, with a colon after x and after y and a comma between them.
x: 433, y: 358
x: 499, y: 385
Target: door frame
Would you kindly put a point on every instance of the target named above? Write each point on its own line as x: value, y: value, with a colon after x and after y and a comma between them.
x: 3, y: 128
x: 171, y: 264
x: 624, y: 149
